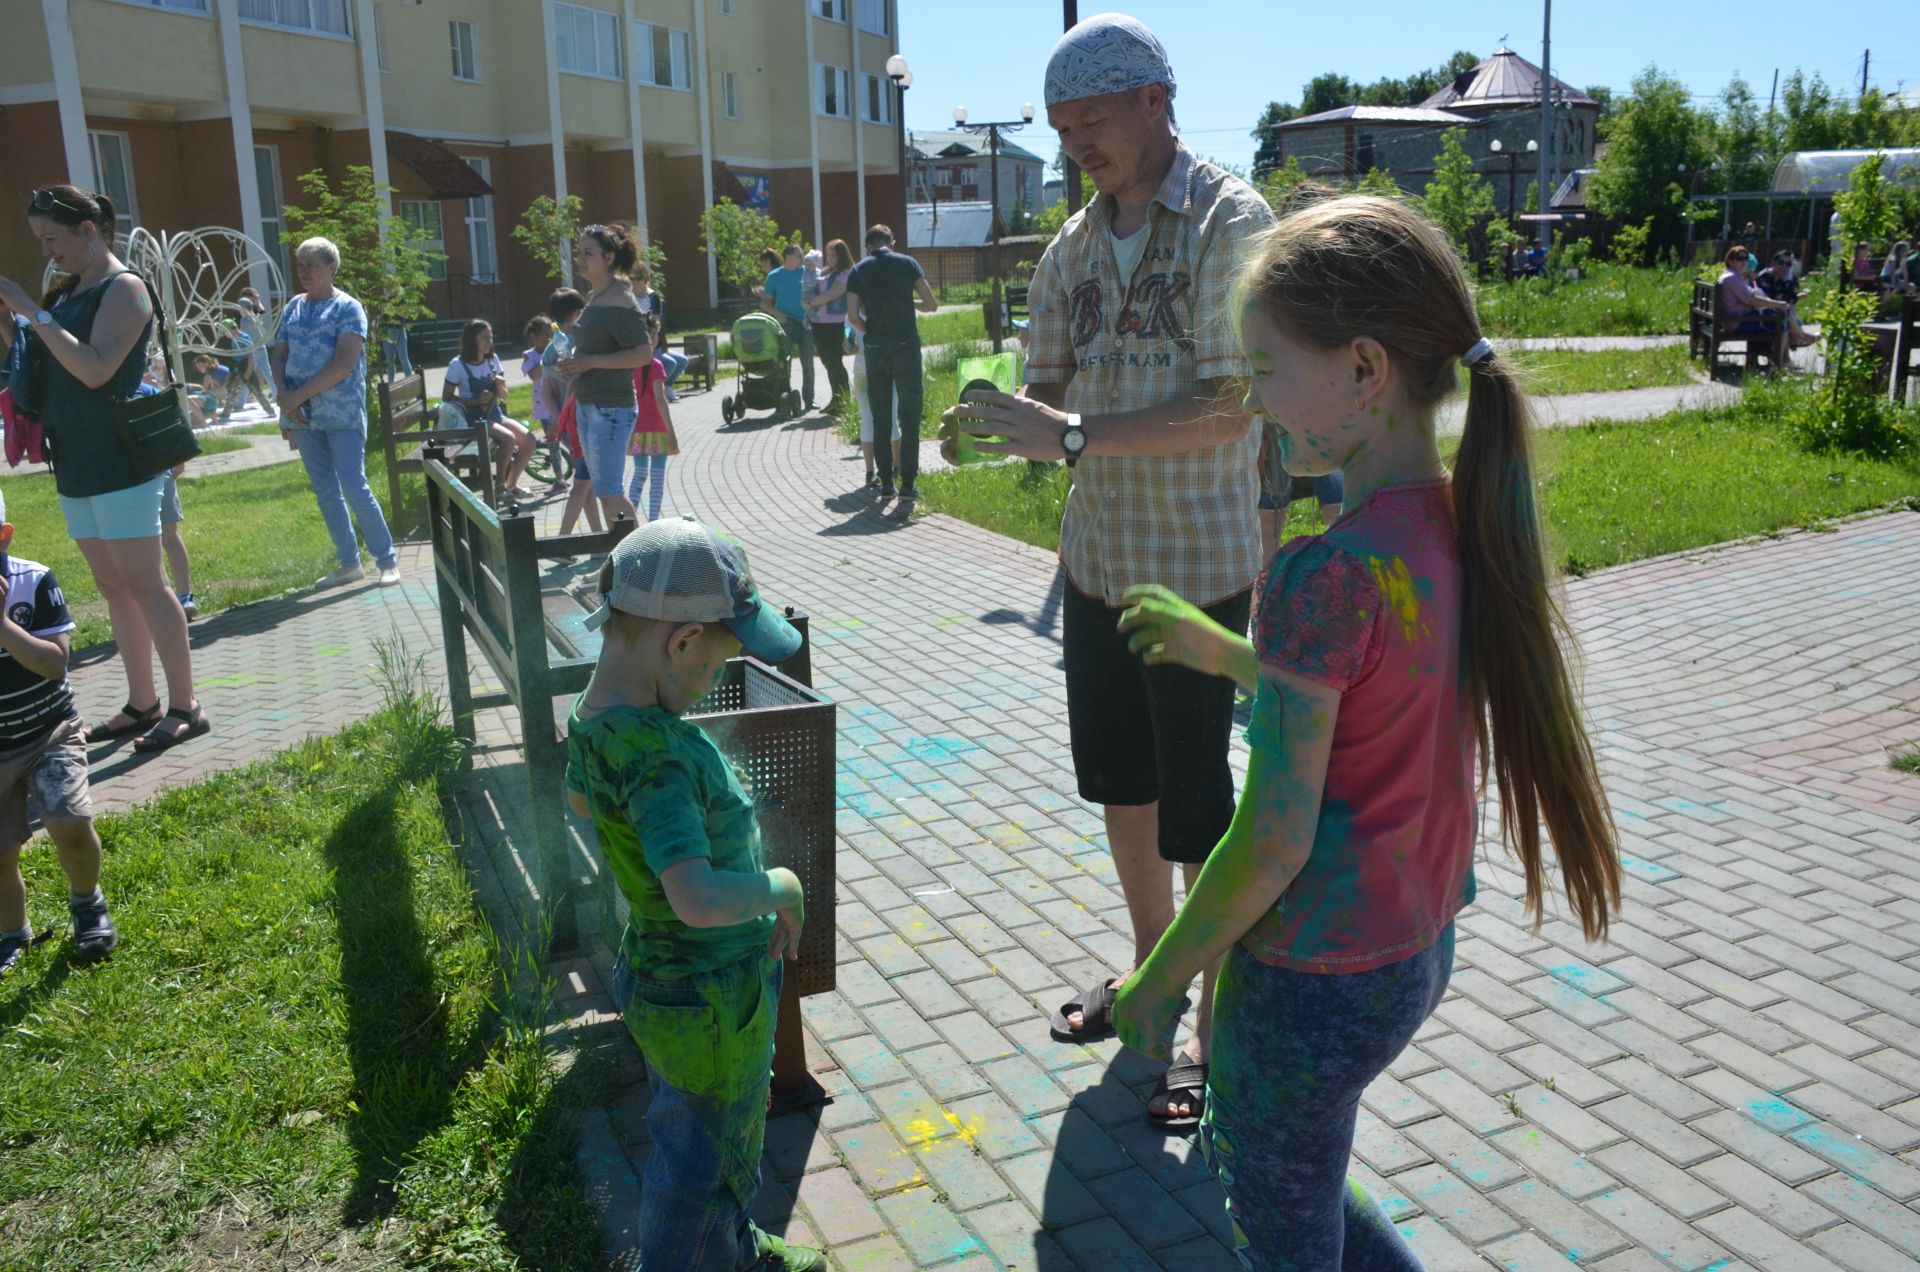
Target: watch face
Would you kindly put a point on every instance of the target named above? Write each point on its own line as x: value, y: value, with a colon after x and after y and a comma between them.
x: 1074, y: 441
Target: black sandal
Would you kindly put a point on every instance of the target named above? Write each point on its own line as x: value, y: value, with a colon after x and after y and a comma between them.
x: 138, y: 722
x: 1187, y: 1081
x: 154, y: 741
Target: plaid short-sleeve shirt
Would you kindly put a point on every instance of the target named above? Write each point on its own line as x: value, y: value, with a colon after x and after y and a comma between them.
x: 1187, y: 520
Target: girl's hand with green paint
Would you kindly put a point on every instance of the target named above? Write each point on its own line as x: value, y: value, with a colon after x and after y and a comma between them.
x: 789, y: 916
x: 1162, y: 627
x: 1146, y: 1013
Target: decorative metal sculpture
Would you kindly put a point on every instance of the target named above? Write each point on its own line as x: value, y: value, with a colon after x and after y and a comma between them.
x: 198, y: 275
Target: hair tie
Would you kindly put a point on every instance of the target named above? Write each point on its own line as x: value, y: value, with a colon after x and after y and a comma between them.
x: 1481, y: 348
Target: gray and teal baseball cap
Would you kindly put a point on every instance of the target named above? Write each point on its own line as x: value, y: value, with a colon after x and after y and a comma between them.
x: 682, y: 571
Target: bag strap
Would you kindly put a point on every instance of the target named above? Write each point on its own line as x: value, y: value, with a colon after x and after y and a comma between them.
x: 159, y: 318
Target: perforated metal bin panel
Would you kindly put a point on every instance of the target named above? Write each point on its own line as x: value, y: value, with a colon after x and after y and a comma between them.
x: 780, y: 735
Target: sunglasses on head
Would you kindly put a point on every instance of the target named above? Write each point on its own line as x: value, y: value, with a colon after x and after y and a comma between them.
x: 47, y: 201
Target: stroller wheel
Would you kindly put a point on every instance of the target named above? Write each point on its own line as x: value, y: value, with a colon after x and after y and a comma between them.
x: 726, y: 408
x: 794, y: 404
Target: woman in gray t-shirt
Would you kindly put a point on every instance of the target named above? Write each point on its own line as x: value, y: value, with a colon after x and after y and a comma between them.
x: 609, y: 342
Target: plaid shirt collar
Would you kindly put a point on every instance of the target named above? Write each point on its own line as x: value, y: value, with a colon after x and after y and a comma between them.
x: 1175, y: 193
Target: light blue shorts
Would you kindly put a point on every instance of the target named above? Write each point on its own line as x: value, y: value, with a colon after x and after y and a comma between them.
x: 604, y: 434
x: 170, y: 513
x: 131, y: 513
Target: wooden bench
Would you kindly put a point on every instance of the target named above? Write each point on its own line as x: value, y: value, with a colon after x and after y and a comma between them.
x: 531, y: 629
x: 1906, y: 350
x: 410, y: 421
x: 1709, y: 340
x: 702, y: 351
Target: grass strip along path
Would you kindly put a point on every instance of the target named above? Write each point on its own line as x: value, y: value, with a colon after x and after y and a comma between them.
x: 298, y: 1055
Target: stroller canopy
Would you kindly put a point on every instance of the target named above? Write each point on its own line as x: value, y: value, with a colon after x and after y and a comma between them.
x: 758, y: 340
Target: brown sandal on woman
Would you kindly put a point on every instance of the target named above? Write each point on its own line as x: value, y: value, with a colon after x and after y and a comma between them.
x: 138, y: 721
x: 155, y: 741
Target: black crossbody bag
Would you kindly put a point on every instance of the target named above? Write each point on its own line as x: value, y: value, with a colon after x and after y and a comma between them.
x: 157, y: 428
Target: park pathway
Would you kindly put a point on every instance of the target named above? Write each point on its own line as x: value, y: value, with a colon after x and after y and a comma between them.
x: 1734, y: 1082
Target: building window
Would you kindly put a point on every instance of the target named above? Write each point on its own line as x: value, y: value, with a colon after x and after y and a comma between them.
x: 113, y: 175
x: 191, y: 6
x: 380, y: 42
x: 726, y: 6
x: 466, y: 62
x: 833, y: 10
x: 874, y: 17
x: 666, y: 57
x: 879, y: 100
x: 423, y: 218
x: 587, y: 41
x: 835, y: 93
x: 273, y: 225
x: 480, y: 247
x: 729, y: 95
x: 329, y: 16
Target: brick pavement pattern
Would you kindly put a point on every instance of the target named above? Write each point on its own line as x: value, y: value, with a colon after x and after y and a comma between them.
x: 1733, y: 1082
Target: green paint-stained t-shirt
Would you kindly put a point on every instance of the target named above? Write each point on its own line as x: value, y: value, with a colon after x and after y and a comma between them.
x: 661, y: 793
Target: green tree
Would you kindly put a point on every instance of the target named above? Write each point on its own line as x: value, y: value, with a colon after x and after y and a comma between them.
x: 547, y: 230
x: 736, y: 236
x: 383, y: 264
x: 1629, y: 246
x: 1747, y: 149
x: 1266, y: 154
x: 1379, y: 181
x: 1603, y: 95
x: 1868, y: 208
x: 1457, y: 199
x: 1657, y: 139
x: 1050, y: 220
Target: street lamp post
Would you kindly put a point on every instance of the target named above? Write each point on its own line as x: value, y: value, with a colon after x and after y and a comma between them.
x: 992, y: 130
x: 1513, y: 171
x: 902, y: 81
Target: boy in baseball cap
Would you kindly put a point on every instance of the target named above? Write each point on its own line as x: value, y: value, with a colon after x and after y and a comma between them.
x: 43, y: 758
x: 698, y: 974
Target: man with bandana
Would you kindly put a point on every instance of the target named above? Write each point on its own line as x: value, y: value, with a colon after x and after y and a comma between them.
x: 1137, y: 380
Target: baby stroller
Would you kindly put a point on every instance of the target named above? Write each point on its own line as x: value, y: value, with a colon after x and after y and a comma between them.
x: 765, y: 355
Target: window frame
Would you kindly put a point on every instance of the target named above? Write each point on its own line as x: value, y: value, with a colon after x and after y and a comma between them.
x: 729, y: 95
x: 436, y: 269
x: 345, y: 9
x: 198, y: 8
x: 844, y: 84
x: 612, y: 27
x: 381, y: 57
x: 473, y: 50
x: 267, y: 177
x: 483, y: 165
x: 861, y: 7
x: 879, y: 89
x: 830, y: 10
x: 678, y: 40
x: 126, y: 205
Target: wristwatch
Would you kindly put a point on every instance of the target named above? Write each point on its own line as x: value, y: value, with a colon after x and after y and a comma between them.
x: 41, y: 318
x: 1074, y: 440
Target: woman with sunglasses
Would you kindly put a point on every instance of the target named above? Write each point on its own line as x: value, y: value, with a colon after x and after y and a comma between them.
x: 609, y: 341
x: 91, y: 345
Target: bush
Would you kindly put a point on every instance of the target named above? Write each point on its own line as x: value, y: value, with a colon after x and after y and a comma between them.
x: 1846, y: 412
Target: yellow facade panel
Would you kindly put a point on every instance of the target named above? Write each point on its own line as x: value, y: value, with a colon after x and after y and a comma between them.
x: 145, y: 54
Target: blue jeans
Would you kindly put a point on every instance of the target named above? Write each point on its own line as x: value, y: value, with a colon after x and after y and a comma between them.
x: 708, y: 1044
x: 604, y: 434
x: 648, y: 468
x: 893, y: 370
x: 1292, y: 1051
x: 800, y: 340
x: 336, y: 460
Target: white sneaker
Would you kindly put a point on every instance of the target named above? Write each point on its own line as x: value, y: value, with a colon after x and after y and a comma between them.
x: 344, y: 575
x: 390, y: 576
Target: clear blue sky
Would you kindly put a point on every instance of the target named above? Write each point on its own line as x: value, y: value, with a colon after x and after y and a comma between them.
x: 1232, y: 57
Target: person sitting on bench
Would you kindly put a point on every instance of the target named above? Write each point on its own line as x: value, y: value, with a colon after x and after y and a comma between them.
x: 1747, y: 311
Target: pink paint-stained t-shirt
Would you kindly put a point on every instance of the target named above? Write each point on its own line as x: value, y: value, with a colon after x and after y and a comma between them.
x: 1372, y: 608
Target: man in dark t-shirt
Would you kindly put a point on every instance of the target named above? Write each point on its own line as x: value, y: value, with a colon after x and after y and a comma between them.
x: 43, y: 758
x: 888, y: 289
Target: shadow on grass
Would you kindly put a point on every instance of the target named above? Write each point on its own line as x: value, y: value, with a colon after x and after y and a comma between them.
x: 405, y: 1066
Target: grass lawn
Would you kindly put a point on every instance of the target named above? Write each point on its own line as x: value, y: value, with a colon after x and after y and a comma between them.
x: 1609, y: 300
x: 297, y: 1056
x: 1611, y: 492
x: 249, y: 535
x: 1551, y: 372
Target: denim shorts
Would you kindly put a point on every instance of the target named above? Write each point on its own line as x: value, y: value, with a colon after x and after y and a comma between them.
x: 170, y: 513
x: 130, y: 513
x: 604, y: 433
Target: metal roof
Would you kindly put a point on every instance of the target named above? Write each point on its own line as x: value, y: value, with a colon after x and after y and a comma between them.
x: 1379, y: 115
x: 932, y: 144
x: 1505, y: 79
x: 968, y: 224
x: 1829, y: 171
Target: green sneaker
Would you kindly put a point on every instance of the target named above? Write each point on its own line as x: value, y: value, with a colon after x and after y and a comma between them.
x: 777, y: 1256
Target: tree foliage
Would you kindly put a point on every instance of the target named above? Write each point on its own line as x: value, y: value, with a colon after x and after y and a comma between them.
x: 383, y: 263
x: 1655, y: 145
x: 547, y: 230
x: 1457, y: 198
x: 736, y: 236
x: 1331, y: 90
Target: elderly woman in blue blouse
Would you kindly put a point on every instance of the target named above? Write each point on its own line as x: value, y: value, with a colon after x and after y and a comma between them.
x: 320, y: 372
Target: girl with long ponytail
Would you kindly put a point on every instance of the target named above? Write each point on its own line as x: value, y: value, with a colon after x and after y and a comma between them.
x: 1400, y: 658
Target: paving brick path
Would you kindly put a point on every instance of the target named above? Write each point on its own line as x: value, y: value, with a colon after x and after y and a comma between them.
x: 1733, y: 1082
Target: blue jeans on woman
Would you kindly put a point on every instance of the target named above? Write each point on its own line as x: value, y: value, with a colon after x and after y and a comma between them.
x: 604, y: 434
x: 708, y: 1043
x: 336, y: 460
x: 1292, y: 1051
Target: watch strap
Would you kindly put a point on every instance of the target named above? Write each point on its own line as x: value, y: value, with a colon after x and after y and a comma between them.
x: 1073, y: 426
